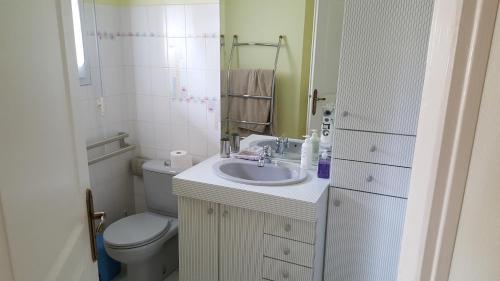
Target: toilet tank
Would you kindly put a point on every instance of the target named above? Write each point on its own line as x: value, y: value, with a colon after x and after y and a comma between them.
x: 158, y: 187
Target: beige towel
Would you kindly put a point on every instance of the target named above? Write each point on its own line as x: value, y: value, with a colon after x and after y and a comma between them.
x: 254, y: 82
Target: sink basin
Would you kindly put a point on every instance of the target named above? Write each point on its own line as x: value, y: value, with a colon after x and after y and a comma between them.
x: 248, y: 172
x: 292, y: 152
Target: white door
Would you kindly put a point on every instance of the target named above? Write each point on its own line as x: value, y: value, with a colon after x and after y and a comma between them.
x: 325, y: 58
x: 43, y: 171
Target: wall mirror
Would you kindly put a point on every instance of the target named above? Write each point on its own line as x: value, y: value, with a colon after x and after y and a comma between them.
x: 279, y: 62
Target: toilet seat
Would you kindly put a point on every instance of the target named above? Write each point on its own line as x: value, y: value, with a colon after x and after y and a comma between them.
x: 137, y: 230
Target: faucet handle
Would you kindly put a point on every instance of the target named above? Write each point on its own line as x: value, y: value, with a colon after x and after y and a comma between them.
x: 266, y: 151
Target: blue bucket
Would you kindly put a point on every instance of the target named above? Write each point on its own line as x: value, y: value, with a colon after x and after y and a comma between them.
x: 108, y: 267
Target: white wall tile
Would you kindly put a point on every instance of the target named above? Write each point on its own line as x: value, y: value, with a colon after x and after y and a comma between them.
x: 112, y: 80
x: 138, y: 19
x: 196, y: 83
x: 125, y: 20
x: 177, y: 52
x: 132, y: 107
x: 212, y: 79
x: 159, y: 81
x: 110, y: 52
x: 108, y: 18
x: 197, y: 113
x: 127, y: 51
x: 158, y: 54
x: 196, y: 53
x: 146, y: 134
x: 147, y: 152
x: 163, y: 137
x: 176, y: 20
x: 142, y: 79
x: 202, y: 20
x: 180, y: 137
x: 145, y: 108
x: 163, y: 154
x: 177, y: 82
x: 157, y: 20
x: 141, y: 51
x: 128, y: 75
x: 197, y: 142
x: 161, y: 110
x: 179, y: 114
x: 212, y: 53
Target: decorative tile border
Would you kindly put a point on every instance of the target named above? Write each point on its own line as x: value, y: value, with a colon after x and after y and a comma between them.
x: 107, y: 35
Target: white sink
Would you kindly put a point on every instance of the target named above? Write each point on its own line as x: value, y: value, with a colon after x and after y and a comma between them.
x: 248, y: 172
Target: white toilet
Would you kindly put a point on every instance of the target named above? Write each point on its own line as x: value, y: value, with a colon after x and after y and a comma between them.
x: 146, y: 244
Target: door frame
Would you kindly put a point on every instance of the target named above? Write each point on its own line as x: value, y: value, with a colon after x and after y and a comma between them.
x: 312, y: 63
x: 459, y: 47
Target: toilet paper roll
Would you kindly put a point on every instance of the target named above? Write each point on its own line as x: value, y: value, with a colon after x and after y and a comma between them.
x: 180, y: 160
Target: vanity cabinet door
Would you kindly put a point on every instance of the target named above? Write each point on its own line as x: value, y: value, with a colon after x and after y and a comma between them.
x: 363, y: 236
x: 241, y: 244
x: 382, y: 65
x: 198, y: 240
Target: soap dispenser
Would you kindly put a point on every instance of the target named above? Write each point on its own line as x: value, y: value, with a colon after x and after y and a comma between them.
x: 324, y: 165
x: 315, y: 147
x: 306, y: 154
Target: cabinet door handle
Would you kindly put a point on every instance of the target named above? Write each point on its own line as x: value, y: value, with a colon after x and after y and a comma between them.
x: 286, y: 251
x: 225, y: 213
x: 373, y: 148
x: 210, y: 211
x: 369, y: 179
x: 344, y: 113
x: 285, y: 275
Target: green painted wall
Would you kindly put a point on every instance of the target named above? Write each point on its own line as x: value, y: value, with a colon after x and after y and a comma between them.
x: 265, y: 20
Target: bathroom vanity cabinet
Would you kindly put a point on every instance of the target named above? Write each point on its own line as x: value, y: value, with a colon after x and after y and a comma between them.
x: 225, y: 243
x: 231, y: 231
x: 381, y: 74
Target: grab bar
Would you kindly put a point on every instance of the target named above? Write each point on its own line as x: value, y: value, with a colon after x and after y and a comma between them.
x: 121, y: 136
x: 114, y: 153
x: 124, y: 147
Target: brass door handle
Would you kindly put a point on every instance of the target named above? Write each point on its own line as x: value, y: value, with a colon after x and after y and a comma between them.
x: 315, y: 100
x: 92, y: 216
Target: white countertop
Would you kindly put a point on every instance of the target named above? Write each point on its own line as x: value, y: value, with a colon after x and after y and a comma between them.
x: 201, y: 182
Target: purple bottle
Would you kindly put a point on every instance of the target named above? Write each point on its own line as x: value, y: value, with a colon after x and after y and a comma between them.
x: 324, y: 166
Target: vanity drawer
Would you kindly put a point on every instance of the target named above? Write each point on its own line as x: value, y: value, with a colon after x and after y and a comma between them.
x: 379, y: 148
x: 294, y: 229
x: 289, y: 250
x: 276, y: 270
x: 374, y: 178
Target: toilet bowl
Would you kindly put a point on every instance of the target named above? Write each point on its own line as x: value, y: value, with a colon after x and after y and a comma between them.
x: 146, y: 244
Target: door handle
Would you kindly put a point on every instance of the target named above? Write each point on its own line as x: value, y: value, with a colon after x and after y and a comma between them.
x: 92, y: 216
x: 315, y: 100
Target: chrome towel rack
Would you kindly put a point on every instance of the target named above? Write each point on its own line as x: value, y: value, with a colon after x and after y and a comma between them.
x: 271, y: 98
x: 124, y: 147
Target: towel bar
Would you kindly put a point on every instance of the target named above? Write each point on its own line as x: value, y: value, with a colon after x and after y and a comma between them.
x: 273, y: 84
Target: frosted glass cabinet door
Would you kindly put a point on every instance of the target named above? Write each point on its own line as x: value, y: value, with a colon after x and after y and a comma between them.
x: 198, y: 240
x: 241, y: 244
x: 363, y: 236
x: 382, y: 65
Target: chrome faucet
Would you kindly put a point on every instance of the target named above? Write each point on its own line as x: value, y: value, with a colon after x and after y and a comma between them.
x: 281, y: 145
x: 265, y: 156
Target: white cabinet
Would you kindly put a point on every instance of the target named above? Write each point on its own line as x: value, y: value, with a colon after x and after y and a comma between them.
x: 364, y: 233
x: 241, y: 244
x: 225, y: 243
x: 198, y: 240
x: 382, y: 65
